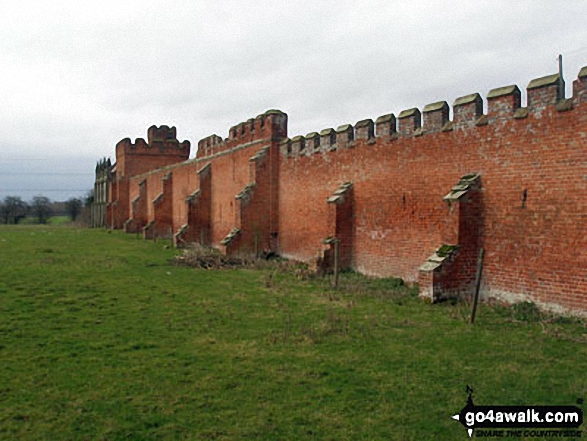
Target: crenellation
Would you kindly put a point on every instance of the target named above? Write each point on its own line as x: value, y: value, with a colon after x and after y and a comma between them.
x: 503, y: 102
x: 140, y: 144
x: 240, y: 131
x: 580, y: 87
x: 328, y: 139
x: 545, y: 91
x: 435, y: 116
x: 409, y: 121
x: 269, y: 125
x: 159, y: 146
x: 395, y: 216
x: 209, y: 145
x: 297, y: 145
x: 345, y: 136
x: 365, y: 129
x: 312, y: 142
x: 232, y: 133
x: 250, y: 126
x: 385, y: 125
x: 160, y: 134
x: 260, y: 123
x: 467, y: 110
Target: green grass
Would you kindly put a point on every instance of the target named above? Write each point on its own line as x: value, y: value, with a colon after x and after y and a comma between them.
x: 53, y: 220
x: 59, y: 220
x: 101, y: 338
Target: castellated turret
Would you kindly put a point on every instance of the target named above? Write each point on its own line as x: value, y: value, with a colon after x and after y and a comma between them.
x: 161, y: 148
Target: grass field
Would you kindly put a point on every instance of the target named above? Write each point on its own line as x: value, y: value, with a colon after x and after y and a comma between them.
x: 102, y: 338
x: 53, y: 220
x: 58, y: 220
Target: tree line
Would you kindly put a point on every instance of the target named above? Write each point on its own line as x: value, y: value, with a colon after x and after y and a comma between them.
x: 14, y: 210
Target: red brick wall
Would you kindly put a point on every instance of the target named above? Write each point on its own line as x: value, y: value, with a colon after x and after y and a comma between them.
x: 161, y: 149
x: 185, y: 182
x: 230, y: 175
x: 230, y: 172
x: 398, y: 206
x: 163, y: 208
x: 400, y: 217
x: 535, y: 245
x: 254, y: 206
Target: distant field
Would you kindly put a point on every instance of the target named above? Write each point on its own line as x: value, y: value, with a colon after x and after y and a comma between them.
x: 53, y: 220
x: 56, y: 220
x: 101, y: 338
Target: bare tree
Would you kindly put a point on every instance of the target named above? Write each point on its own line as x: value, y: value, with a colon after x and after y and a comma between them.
x: 42, y: 208
x: 13, y: 210
x: 74, y: 208
x: 4, y: 212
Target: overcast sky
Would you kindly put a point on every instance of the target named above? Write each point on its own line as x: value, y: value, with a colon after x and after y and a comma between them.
x: 78, y: 76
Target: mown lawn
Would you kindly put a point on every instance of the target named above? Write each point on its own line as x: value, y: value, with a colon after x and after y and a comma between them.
x: 101, y: 338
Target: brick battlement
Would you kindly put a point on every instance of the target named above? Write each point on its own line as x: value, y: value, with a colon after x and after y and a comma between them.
x: 268, y: 126
x: 425, y: 195
x: 503, y: 103
x: 160, y: 140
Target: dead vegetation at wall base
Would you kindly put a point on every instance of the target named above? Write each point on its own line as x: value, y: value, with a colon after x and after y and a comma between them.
x: 198, y: 256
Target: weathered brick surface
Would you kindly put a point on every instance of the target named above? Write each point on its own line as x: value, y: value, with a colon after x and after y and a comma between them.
x: 534, y: 248
x: 203, y: 206
x: 195, y: 220
x: 454, y: 264
x: 139, y: 209
x: 163, y: 208
x: 435, y: 116
x: 161, y: 149
x: 529, y: 213
x: 257, y: 211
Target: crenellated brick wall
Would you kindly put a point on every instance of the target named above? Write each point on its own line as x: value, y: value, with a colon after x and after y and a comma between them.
x: 415, y: 196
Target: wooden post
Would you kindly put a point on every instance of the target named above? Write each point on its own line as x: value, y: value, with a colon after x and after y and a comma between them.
x: 335, y: 279
x: 477, y: 284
